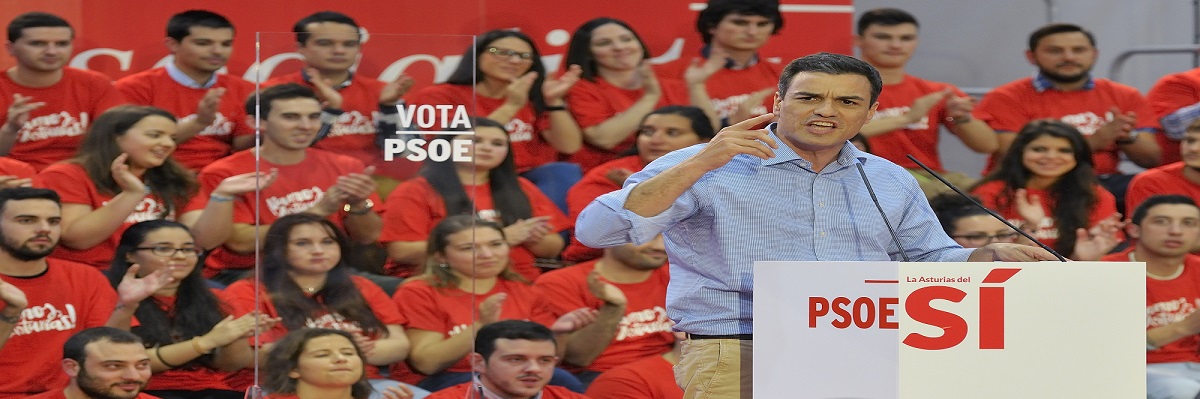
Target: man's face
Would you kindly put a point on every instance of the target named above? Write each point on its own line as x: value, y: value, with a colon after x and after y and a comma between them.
x: 331, y: 47
x: 1169, y: 230
x: 292, y: 123
x: 648, y: 256
x: 29, y: 229
x: 204, y: 49
x: 819, y: 111
x: 111, y: 371
x: 1189, y: 147
x: 888, y: 46
x: 1064, y: 57
x: 518, y: 368
x: 43, y: 49
x: 742, y: 32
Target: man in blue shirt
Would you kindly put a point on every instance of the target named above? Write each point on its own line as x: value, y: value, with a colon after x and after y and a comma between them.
x: 743, y: 197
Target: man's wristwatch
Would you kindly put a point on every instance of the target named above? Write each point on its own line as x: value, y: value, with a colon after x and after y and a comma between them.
x: 367, y: 205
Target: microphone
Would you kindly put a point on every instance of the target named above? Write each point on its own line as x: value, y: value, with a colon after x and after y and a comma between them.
x: 895, y: 239
x: 985, y: 209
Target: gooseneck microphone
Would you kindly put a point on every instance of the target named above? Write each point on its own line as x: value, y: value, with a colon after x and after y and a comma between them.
x: 985, y: 209
x: 895, y: 239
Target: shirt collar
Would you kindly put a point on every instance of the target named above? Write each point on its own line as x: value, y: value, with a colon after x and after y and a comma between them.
x: 1042, y: 83
x: 488, y: 394
x: 178, y: 76
x: 849, y: 154
x: 339, y: 86
x: 729, y: 62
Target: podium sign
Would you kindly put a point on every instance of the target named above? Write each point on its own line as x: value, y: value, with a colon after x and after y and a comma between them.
x: 884, y: 330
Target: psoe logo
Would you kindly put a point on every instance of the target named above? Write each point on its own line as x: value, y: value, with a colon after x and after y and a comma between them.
x: 446, y: 120
x: 866, y: 313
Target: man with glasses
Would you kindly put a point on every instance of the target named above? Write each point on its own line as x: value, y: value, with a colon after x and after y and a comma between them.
x: 1166, y: 227
x: 968, y: 224
x: 61, y: 297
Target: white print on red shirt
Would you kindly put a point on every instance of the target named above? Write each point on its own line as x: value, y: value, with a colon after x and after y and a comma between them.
x: 295, y: 202
x: 519, y: 130
x: 333, y: 321
x: 61, y: 124
x: 46, y: 317
x: 644, y: 322
x: 221, y: 125
x: 901, y: 111
x: 1086, y: 122
x: 353, y: 122
x: 1167, y: 312
x: 729, y: 105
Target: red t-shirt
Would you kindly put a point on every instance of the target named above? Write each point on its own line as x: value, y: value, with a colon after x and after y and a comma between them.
x: 75, y: 187
x: 287, y: 195
x: 55, y: 130
x: 191, y: 378
x: 594, y: 184
x: 644, y: 331
x: 1168, y: 301
x: 1009, y: 107
x: 18, y: 169
x: 240, y: 296
x: 353, y: 133
x: 156, y: 87
x: 919, y: 139
x: 414, y: 208
x: 728, y: 88
x: 467, y: 390
x: 61, y: 394
x: 68, y: 298
x: 525, y: 130
x: 1169, y: 94
x: 594, y: 102
x: 989, y: 195
x: 1166, y: 179
x: 450, y: 311
x: 649, y: 378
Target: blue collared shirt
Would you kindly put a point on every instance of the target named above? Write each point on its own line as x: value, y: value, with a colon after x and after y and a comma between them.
x: 1042, y: 83
x: 778, y: 209
x: 182, y: 78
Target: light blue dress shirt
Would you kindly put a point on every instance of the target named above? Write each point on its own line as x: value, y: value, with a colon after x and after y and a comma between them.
x: 777, y: 209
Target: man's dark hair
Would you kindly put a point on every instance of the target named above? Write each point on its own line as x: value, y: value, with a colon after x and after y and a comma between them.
x: 74, y: 348
x: 833, y: 64
x: 1056, y: 28
x: 1140, y: 213
x: 24, y: 193
x: 485, y: 339
x: 35, y: 19
x: 286, y: 91
x: 301, y: 27
x: 718, y: 9
x: 180, y: 25
x: 885, y: 17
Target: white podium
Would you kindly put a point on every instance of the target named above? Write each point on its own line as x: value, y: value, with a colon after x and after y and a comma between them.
x: 889, y: 330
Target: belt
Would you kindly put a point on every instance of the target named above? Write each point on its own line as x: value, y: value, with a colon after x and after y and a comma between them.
x: 743, y: 337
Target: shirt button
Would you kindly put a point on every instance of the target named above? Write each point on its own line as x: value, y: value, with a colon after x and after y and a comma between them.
x: 822, y: 234
x: 821, y: 204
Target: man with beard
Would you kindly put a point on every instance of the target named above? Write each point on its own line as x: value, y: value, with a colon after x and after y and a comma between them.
x: 514, y: 360
x: 1165, y: 227
x: 62, y: 297
x: 632, y: 320
x: 1110, y: 115
x: 1181, y: 177
x: 103, y: 363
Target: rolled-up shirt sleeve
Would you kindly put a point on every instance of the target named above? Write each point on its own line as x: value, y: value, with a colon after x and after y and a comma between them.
x: 606, y: 223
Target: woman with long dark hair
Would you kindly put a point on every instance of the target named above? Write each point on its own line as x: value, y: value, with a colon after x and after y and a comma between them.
x: 191, y: 339
x: 306, y: 283
x: 487, y: 186
x: 1045, y: 183
x: 618, y: 88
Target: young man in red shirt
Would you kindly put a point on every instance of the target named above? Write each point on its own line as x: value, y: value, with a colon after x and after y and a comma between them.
x: 208, y: 105
x: 45, y: 105
x: 515, y: 360
x: 103, y: 363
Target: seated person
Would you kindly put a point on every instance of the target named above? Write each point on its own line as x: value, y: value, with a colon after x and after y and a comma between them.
x: 663, y: 130
x: 487, y: 186
x: 514, y: 359
x: 468, y: 283
x: 649, y: 378
x: 103, y: 363
x: 322, y: 363
x: 306, y: 283
x: 1045, y: 185
x: 969, y: 225
x: 1164, y: 228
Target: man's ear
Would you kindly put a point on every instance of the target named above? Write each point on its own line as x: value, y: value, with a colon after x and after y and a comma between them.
x: 71, y: 367
x: 478, y: 363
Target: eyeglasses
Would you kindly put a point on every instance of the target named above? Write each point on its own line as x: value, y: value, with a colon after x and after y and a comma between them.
x: 169, y: 251
x: 507, y: 54
x: 984, y: 239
